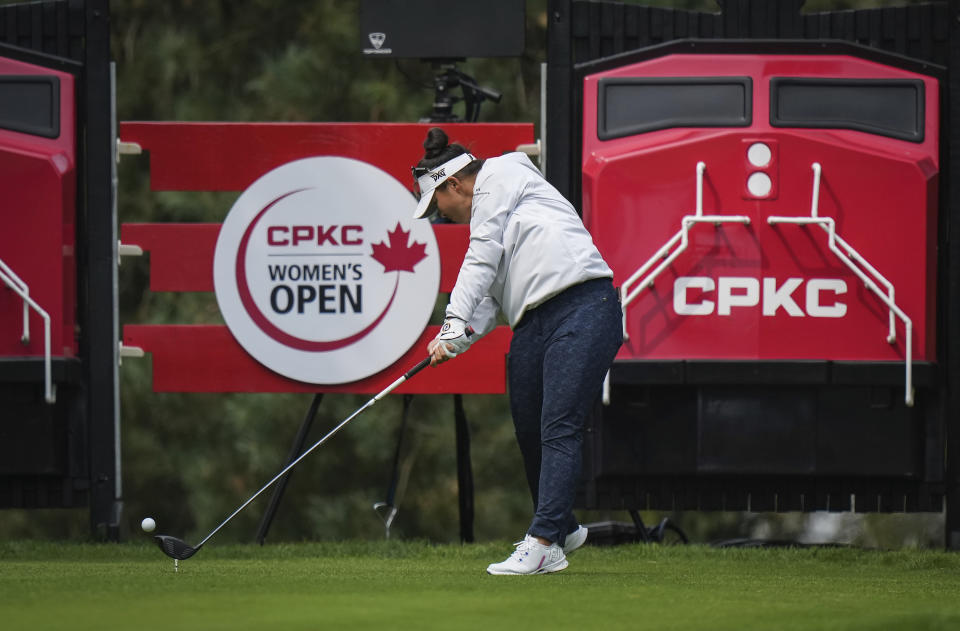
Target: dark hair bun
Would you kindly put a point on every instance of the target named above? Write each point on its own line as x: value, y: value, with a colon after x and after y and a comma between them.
x: 436, y: 143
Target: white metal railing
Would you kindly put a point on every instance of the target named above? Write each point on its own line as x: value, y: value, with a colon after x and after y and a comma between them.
x: 843, y: 250
x: 851, y: 258
x: 641, y: 279
x: 14, y: 282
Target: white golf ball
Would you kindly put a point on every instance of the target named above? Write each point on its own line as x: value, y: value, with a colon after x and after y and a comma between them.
x: 148, y: 524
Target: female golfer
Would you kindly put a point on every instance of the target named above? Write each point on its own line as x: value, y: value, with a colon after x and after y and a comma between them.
x: 531, y: 258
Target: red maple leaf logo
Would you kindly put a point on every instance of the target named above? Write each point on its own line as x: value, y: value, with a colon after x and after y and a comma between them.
x: 398, y: 256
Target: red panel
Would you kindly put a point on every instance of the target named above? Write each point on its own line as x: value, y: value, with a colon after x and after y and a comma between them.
x: 231, y: 156
x: 208, y: 359
x: 882, y: 193
x: 181, y: 254
x: 452, y: 241
x: 37, y: 214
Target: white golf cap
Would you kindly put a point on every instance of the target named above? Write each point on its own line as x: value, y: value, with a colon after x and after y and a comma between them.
x: 436, y: 176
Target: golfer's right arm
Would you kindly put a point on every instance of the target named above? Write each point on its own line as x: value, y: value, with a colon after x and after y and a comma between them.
x: 470, y: 302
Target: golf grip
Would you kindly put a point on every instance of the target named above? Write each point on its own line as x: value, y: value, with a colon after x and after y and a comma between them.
x: 426, y: 361
x: 423, y: 364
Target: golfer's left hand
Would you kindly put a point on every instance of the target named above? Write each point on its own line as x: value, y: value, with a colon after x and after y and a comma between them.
x: 438, y: 352
x: 453, y: 339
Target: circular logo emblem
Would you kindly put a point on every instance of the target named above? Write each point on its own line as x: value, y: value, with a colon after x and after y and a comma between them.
x: 320, y: 272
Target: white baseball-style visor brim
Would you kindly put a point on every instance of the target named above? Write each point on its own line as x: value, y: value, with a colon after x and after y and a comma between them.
x: 433, y: 178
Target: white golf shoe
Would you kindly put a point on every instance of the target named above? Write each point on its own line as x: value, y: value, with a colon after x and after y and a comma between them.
x: 531, y: 557
x: 575, y: 539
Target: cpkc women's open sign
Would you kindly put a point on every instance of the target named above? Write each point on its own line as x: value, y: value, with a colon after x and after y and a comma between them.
x: 320, y: 272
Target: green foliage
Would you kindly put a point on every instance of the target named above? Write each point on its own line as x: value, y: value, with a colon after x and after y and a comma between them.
x: 298, y: 60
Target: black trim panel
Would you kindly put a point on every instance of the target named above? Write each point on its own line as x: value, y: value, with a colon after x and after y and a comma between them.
x: 885, y: 107
x: 645, y: 372
x: 30, y: 104
x: 627, y: 106
x: 692, y: 46
x: 30, y: 370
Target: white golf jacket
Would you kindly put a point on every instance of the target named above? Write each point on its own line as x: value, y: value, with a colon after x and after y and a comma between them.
x: 527, y: 244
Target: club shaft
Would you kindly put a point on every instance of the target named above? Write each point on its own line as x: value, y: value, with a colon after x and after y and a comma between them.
x: 420, y: 366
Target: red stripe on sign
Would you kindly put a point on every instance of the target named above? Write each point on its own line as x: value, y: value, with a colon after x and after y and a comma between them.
x: 181, y: 254
x: 206, y: 358
x: 231, y: 156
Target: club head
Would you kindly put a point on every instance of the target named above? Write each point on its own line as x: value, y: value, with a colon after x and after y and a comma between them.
x: 175, y: 548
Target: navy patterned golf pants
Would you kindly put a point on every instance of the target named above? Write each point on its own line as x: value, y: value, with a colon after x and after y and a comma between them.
x: 559, y: 355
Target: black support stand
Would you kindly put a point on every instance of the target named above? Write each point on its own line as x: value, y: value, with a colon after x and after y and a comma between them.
x: 951, y: 409
x: 97, y: 265
x: 295, y: 450
x: 464, y: 470
x: 387, y: 509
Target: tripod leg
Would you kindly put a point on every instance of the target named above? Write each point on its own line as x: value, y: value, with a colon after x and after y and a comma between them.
x: 391, y: 510
x: 642, y: 532
x: 295, y: 451
x: 464, y: 471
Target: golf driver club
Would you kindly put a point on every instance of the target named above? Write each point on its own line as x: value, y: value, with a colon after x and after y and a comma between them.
x: 178, y: 550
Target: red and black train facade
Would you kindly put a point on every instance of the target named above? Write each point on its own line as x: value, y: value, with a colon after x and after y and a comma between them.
x: 775, y: 191
x: 776, y: 195
x: 58, y: 325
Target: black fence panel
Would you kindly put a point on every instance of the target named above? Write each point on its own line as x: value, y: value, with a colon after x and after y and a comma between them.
x: 52, y: 27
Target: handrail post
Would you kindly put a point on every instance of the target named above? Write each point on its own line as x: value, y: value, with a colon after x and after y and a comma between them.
x: 14, y: 282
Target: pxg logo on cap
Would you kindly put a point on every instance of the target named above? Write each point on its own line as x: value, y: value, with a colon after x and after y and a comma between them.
x: 320, y: 273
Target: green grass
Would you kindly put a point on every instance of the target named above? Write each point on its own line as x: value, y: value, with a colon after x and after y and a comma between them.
x: 411, y: 585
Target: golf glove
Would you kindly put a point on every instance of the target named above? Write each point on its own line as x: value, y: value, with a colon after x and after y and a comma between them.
x: 455, y: 333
